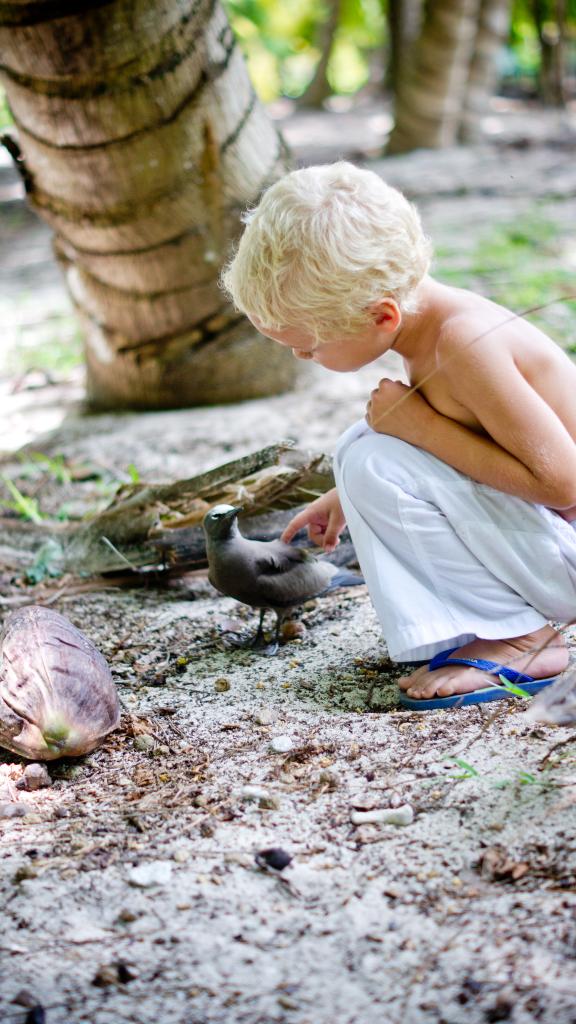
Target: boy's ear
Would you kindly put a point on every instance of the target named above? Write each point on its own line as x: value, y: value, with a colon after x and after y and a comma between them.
x: 386, y: 314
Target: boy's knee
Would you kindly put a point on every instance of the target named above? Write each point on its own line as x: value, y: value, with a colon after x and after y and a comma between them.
x: 358, y: 446
x: 370, y: 459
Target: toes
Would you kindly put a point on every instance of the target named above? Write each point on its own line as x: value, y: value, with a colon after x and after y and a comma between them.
x: 424, y: 684
x: 421, y: 690
x: 406, y: 681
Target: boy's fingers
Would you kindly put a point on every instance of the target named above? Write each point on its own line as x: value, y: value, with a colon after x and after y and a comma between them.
x: 294, y: 525
x: 331, y: 541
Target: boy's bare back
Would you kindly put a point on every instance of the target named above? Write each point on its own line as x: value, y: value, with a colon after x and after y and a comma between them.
x: 502, y: 335
x: 499, y: 396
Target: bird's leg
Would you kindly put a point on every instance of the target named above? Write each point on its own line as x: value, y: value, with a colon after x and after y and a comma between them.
x: 258, y: 641
x: 259, y: 635
x: 271, y: 649
x: 240, y: 640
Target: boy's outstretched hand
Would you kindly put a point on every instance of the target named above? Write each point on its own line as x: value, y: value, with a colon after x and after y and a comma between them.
x: 324, y: 519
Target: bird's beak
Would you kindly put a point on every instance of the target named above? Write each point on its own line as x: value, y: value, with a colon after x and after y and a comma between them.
x: 234, y: 511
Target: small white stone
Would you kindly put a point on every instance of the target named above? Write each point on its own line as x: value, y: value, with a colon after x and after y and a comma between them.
x: 36, y: 776
x: 265, y: 717
x: 144, y: 741
x: 181, y: 856
x: 281, y: 744
x: 13, y: 810
x: 250, y: 792
x: 403, y: 815
x: 156, y: 872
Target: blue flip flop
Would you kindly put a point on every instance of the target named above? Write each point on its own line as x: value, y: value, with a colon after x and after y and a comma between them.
x: 528, y: 683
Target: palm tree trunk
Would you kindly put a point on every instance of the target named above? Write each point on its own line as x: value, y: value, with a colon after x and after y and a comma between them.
x: 319, y: 89
x: 403, y: 18
x: 550, y: 20
x: 493, y: 25
x: 431, y: 88
x: 142, y: 139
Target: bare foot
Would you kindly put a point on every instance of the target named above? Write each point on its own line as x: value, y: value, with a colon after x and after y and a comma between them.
x: 539, y: 654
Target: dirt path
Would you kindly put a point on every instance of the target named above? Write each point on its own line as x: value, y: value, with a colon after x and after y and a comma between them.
x: 130, y: 891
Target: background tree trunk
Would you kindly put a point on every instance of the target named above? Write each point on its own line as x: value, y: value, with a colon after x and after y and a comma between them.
x: 319, y: 89
x: 403, y: 17
x: 550, y: 21
x: 143, y: 139
x: 492, y: 30
x: 445, y: 77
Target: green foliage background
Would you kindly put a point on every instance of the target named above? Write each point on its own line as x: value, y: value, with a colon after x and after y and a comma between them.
x: 282, y: 43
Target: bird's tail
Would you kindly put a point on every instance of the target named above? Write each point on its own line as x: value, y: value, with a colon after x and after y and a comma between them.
x: 345, y: 579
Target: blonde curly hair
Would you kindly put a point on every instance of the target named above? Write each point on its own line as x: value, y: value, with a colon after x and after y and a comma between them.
x: 322, y: 246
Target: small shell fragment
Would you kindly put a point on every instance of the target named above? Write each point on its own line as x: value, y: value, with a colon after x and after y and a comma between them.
x: 250, y: 792
x: 155, y: 872
x: 403, y: 815
x: 35, y: 777
x: 281, y: 744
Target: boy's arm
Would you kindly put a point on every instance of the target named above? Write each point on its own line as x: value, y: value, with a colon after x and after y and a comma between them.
x: 528, y: 452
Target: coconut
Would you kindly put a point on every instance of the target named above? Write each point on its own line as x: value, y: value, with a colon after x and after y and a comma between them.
x: 57, y: 695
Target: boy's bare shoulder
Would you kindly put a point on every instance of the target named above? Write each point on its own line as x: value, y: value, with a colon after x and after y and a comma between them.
x: 473, y: 335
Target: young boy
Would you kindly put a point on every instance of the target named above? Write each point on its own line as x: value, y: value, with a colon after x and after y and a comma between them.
x: 460, y: 491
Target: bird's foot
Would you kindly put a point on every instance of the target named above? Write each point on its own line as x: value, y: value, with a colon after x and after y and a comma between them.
x: 257, y: 643
x: 234, y: 639
x: 268, y: 650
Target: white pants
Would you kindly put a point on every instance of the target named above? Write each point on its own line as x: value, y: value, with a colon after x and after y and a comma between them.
x: 445, y: 559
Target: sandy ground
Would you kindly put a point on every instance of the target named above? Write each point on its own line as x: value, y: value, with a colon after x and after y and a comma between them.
x: 130, y: 890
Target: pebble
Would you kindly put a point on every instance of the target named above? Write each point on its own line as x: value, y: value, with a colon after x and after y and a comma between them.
x: 117, y: 973
x: 281, y: 744
x: 234, y: 857
x: 269, y: 803
x: 293, y: 630
x: 144, y: 742
x: 287, y: 1003
x: 156, y: 872
x: 403, y: 815
x: 273, y: 857
x: 35, y: 777
x: 13, y: 810
x: 105, y: 976
x: 329, y: 779
x: 181, y: 856
x: 366, y: 801
x: 265, y: 717
x: 126, y: 916
x: 250, y: 792
x: 25, y: 998
x: 221, y: 685
x: 7, y: 793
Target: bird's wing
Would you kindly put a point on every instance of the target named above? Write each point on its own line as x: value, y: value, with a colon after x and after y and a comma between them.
x: 275, y: 557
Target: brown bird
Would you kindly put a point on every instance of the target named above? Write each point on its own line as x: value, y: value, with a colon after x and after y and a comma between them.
x: 265, y: 574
